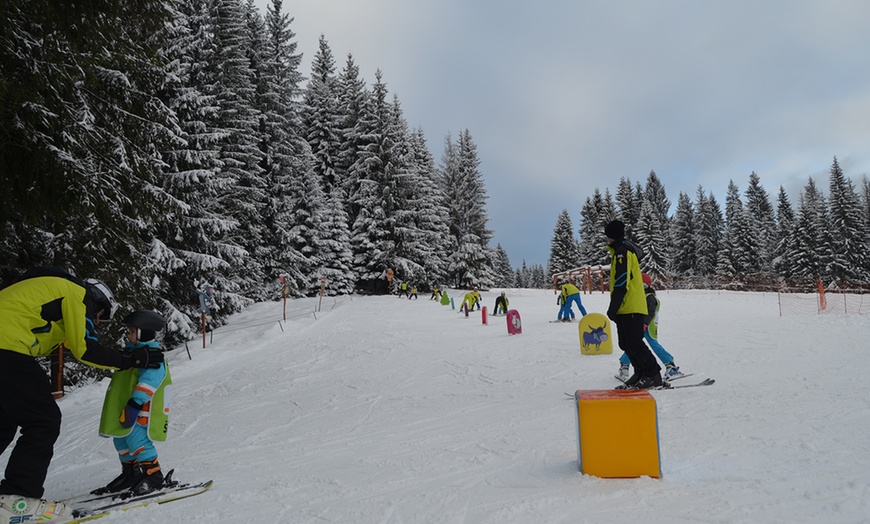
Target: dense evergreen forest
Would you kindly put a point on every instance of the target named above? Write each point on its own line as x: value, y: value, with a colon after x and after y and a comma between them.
x: 754, y: 244
x: 160, y: 145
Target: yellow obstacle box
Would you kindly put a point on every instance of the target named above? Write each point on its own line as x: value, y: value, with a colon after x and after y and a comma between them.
x: 595, y: 336
x: 618, y: 433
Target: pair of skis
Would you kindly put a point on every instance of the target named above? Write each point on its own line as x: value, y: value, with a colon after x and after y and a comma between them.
x: 89, y: 506
x: 668, y: 383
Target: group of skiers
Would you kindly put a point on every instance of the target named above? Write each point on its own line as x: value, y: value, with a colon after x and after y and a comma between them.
x: 44, y: 310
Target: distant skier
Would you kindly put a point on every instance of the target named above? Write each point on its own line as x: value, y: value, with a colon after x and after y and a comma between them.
x: 501, y: 304
x: 571, y: 294
x: 566, y: 314
x: 469, y: 300
x: 136, y: 411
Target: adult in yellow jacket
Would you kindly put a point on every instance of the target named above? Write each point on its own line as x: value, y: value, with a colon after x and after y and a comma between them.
x: 628, y: 307
x: 46, y: 308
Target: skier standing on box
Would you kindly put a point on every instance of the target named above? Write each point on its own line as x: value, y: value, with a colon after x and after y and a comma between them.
x: 628, y: 307
x: 46, y: 308
x: 650, y: 334
x: 136, y: 410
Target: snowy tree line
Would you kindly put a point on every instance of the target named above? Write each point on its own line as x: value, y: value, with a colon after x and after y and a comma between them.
x: 825, y: 237
x: 157, y: 145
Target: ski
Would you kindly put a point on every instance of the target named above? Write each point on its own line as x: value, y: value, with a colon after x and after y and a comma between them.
x: 684, y: 375
x: 705, y: 382
x: 104, y: 506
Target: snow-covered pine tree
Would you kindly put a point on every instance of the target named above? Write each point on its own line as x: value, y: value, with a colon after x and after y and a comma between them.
x: 196, y: 240
x: 375, y: 199
x: 292, y: 214
x: 336, y: 256
x: 761, y: 220
x: 504, y: 275
x: 411, y: 241
x: 596, y: 212
x: 736, y: 258
x: 539, y: 278
x: 649, y: 233
x: 849, y: 250
x: 471, y: 263
x: 683, y: 253
x: 321, y: 117
x: 322, y: 122
x: 243, y: 192
x: 629, y: 203
x: 431, y: 213
x: 564, y: 248
x: 811, y: 254
x: 352, y: 99
x: 709, y: 232
x: 784, y: 259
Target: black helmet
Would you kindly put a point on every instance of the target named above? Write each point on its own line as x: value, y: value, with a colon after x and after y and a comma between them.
x: 147, y: 322
x: 102, y: 296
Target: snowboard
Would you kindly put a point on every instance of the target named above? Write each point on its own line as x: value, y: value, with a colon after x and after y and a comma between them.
x: 514, y: 323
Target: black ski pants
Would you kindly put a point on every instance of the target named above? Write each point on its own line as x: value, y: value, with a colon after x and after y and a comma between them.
x: 629, y: 330
x: 26, y: 402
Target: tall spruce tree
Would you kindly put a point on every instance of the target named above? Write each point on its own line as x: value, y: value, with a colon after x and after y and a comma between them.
x: 375, y: 197
x: 504, y: 275
x: 709, y: 232
x: 849, y: 252
x: 564, y: 248
x: 810, y: 247
x: 683, y: 255
x: 761, y: 220
x: 785, y: 251
x: 471, y: 262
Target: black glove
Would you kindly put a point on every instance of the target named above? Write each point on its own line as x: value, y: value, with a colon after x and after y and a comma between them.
x: 611, y: 313
x: 141, y: 358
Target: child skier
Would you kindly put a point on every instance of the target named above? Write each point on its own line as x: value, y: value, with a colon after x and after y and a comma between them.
x: 136, y: 409
x: 650, y: 334
x: 501, y: 304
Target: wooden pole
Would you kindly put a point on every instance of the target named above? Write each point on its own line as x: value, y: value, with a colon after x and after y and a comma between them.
x: 203, y: 330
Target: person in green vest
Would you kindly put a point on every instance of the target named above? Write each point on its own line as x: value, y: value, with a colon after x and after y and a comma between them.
x: 136, y: 411
x: 627, y: 307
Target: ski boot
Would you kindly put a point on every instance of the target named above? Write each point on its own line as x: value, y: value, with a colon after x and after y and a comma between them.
x: 130, y: 475
x: 672, y: 371
x: 151, y: 478
x: 623, y: 372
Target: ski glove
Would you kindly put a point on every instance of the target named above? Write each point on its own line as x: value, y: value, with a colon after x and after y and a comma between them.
x: 128, y: 416
x: 141, y: 358
x: 611, y: 313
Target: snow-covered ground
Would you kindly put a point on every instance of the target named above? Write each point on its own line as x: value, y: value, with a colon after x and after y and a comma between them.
x: 385, y: 410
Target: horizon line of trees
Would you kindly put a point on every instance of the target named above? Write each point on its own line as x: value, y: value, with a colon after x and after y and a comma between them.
x: 824, y: 237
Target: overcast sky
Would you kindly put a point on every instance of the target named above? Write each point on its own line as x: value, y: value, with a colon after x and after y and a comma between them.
x: 562, y: 97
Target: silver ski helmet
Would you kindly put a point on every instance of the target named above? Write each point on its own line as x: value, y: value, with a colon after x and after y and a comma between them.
x: 102, y: 297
